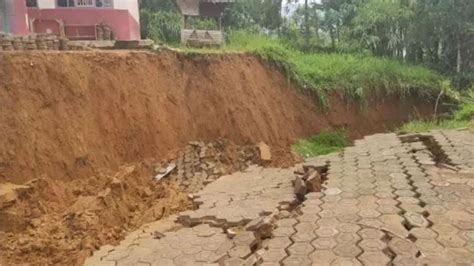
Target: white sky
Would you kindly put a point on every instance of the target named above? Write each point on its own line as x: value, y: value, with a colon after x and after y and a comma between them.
x: 289, y: 8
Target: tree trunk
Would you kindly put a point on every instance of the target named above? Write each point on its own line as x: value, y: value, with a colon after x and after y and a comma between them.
x: 333, y: 39
x: 459, y: 57
x: 306, y: 24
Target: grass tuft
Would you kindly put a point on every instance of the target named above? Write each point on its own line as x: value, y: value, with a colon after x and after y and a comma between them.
x: 421, y: 126
x: 323, y: 143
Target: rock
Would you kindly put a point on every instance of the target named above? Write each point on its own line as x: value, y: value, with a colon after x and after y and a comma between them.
x: 35, y: 222
x: 167, y: 171
x: 313, y: 182
x: 284, y: 214
x: 231, y: 233
x: 265, y: 152
x: 147, y: 192
x: 299, y: 171
x: 22, y: 241
x: 157, y: 235
x: 252, y: 260
x: 300, y: 187
x: 9, y: 193
x: 262, y: 226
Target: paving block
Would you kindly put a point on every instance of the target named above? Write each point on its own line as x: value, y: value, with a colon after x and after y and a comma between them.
x: 374, y: 258
x: 300, y: 248
x: 347, y: 250
x: 416, y: 219
x: 372, y: 245
x: 274, y: 255
x: 403, y: 247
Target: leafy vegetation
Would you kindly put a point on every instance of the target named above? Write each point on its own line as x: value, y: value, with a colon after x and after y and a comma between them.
x: 356, y: 46
x: 462, y: 118
x: 420, y: 126
x: 466, y: 109
x: 324, y: 143
x: 354, y: 74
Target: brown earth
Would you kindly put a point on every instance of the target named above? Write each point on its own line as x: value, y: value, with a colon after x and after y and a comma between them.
x: 48, y: 221
x: 65, y: 114
x: 78, y: 129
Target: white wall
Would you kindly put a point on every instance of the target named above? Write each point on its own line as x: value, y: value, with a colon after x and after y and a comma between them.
x: 130, y: 5
x: 46, y: 3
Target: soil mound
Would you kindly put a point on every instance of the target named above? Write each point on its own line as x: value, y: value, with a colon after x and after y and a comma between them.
x: 53, y: 221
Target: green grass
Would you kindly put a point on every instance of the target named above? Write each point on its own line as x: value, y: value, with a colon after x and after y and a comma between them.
x: 462, y: 118
x: 324, y: 143
x: 355, y: 75
x: 421, y: 126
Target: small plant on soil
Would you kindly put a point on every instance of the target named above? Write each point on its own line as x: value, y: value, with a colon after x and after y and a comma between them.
x: 323, y: 143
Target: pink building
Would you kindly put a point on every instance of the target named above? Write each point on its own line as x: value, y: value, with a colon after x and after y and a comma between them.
x: 13, y: 16
x: 75, y: 19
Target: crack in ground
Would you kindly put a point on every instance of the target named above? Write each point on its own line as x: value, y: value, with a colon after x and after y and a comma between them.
x: 436, y: 151
x: 439, y: 158
x: 267, y: 220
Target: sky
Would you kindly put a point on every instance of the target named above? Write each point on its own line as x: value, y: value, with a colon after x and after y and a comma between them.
x: 288, y: 9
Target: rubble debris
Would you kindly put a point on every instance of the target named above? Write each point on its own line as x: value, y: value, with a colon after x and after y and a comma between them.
x: 9, y: 193
x: 300, y: 187
x: 166, y: 171
x: 200, y: 163
x: 313, y: 182
x: 312, y: 176
x: 265, y: 152
x: 76, y: 217
x: 50, y: 222
x: 262, y: 226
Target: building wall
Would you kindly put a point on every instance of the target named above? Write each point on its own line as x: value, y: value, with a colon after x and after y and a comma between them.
x: 123, y: 18
x: 13, y: 16
x: 4, y: 16
x: 122, y: 23
x: 130, y: 5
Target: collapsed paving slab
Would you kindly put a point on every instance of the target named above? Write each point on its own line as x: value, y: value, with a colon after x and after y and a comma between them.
x: 237, y: 199
x: 231, y: 201
x: 385, y: 201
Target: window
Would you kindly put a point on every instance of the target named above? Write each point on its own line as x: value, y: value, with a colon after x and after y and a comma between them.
x: 104, y: 3
x: 85, y: 3
x: 32, y: 3
x: 66, y: 3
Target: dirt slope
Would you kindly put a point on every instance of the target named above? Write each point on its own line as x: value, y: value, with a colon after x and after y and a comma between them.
x: 81, y: 133
x: 63, y: 115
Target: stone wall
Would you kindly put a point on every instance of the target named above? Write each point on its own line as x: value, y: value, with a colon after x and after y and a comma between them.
x: 9, y: 42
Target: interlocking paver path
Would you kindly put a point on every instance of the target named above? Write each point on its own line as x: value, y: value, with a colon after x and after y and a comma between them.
x: 386, y: 201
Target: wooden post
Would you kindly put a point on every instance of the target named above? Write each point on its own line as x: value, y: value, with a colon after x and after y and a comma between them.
x: 184, y: 21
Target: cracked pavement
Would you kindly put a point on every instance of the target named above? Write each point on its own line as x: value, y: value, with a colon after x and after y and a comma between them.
x: 387, y: 200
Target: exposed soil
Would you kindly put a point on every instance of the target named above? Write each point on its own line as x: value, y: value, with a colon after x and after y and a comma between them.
x: 65, y: 115
x: 77, y: 129
x: 54, y: 221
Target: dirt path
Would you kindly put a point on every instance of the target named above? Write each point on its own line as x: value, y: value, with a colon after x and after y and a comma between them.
x: 386, y: 202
